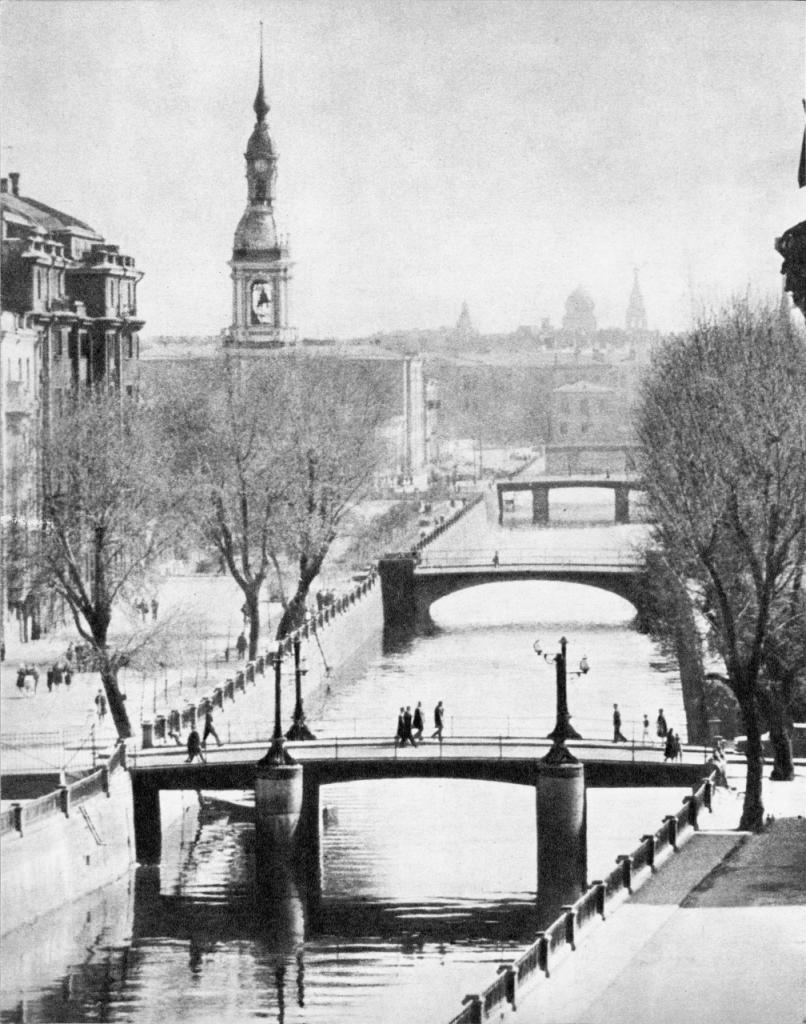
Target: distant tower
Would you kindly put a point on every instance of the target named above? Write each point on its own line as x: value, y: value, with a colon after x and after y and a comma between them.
x: 579, y: 316
x: 636, y: 312
x: 261, y: 267
x: 464, y: 325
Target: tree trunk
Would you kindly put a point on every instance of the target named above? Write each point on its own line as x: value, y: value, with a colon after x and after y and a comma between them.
x: 752, y: 819
x: 116, y: 700
x: 253, y: 605
x: 294, y: 612
x: 692, y: 675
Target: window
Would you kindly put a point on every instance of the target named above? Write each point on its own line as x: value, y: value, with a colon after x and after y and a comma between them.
x: 129, y: 390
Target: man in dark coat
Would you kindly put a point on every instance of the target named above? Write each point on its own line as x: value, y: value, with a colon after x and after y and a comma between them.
x: 617, y: 736
x: 439, y: 720
x: 661, y: 727
x: 400, y: 729
x: 407, y: 736
x: 209, y: 728
x: 240, y: 646
x: 417, y: 721
x: 194, y: 747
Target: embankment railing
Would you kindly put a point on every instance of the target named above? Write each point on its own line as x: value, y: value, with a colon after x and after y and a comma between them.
x: 562, y: 935
x: 22, y: 816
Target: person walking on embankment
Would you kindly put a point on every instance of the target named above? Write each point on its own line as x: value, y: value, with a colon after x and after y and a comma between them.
x: 670, y: 751
x: 617, y: 735
x: 660, y: 726
x: 645, y: 730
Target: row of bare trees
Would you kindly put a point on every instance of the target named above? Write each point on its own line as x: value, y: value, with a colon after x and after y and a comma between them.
x: 722, y: 428
x: 258, y: 459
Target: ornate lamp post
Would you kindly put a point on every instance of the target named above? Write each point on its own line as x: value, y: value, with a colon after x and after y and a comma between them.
x: 299, y: 730
x: 277, y: 754
x: 563, y: 730
x: 562, y: 845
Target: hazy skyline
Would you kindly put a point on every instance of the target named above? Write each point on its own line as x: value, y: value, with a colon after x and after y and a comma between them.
x: 430, y: 153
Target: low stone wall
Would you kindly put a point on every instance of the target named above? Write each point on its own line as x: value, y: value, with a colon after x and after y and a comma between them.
x: 65, y: 845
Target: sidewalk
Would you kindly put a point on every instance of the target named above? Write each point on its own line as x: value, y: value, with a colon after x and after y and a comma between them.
x: 718, y: 935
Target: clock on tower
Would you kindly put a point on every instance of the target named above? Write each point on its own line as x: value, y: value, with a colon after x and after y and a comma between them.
x: 260, y: 264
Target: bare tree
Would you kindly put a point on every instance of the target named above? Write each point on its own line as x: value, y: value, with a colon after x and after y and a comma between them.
x: 722, y: 428
x: 108, y: 516
x: 273, y: 450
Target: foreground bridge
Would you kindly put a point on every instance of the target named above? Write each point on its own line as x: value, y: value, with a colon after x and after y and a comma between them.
x: 411, y: 584
x: 328, y: 761
x: 542, y: 485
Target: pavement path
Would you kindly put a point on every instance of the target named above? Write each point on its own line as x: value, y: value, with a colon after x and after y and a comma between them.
x: 718, y: 935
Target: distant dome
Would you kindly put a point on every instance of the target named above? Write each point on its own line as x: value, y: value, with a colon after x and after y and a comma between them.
x: 579, y: 301
x: 579, y: 316
x: 256, y: 230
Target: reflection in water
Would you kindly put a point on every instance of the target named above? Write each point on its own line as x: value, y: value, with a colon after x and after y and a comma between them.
x: 424, y: 886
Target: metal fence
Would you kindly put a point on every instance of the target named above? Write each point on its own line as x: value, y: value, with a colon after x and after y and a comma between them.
x: 561, y: 936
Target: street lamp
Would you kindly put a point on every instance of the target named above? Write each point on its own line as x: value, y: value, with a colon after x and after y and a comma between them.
x: 299, y: 730
x: 563, y: 730
x: 277, y: 754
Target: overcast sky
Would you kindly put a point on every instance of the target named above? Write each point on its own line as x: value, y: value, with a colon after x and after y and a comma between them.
x: 431, y: 152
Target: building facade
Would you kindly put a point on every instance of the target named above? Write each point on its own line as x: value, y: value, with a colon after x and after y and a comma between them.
x: 69, y: 321
x: 260, y: 265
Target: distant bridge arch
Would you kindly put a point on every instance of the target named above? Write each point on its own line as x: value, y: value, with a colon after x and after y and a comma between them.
x: 540, y: 487
x: 409, y: 587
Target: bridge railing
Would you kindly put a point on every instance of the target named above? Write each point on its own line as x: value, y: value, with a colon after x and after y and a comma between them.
x: 563, y: 935
x: 524, y: 558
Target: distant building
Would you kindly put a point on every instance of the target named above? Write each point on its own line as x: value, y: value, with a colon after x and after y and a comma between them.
x: 465, y: 329
x: 589, y: 429
x: 420, y: 415
x: 261, y: 263
x: 579, y: 317
x: 69, y: 321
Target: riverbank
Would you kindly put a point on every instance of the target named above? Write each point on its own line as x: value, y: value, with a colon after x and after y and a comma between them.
x: 718, y: 935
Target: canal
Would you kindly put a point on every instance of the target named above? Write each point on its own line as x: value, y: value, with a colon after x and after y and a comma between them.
x: 426, y: 885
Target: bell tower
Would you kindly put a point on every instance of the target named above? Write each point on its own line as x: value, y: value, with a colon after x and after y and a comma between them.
x: 260, y: 264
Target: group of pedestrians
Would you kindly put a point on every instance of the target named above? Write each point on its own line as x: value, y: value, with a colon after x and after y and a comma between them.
x: 410, y: 726
x: 672, y: 748
x: 672, y: 751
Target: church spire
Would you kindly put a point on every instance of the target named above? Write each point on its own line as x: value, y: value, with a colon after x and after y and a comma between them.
x: 260, y: 106
x: 636, y: 311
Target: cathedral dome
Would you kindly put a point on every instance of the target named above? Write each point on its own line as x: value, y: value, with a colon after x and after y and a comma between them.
x: 256, y: 231
x: 579, y: 315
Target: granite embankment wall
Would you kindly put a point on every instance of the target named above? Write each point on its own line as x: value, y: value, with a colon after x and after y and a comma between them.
x: 330, y: 641
x: 73, y: 841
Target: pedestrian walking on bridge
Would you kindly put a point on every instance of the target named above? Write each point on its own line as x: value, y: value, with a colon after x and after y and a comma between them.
x: 617, y: 735
x: 209, y: 729
x: 661, y: 727
x: 417, y: 721
x: 439, y: 721
x: 400, y: 729
x: 194, y: 748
